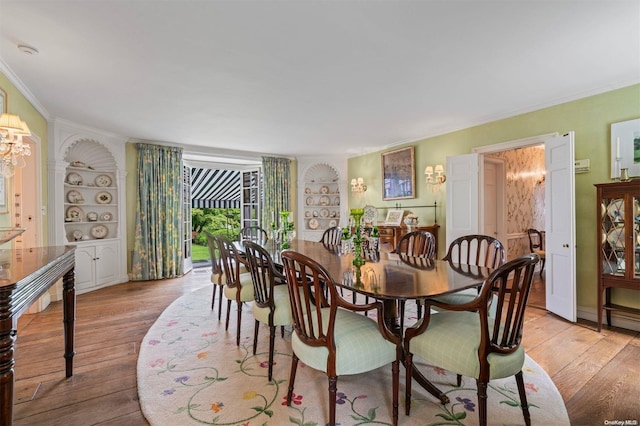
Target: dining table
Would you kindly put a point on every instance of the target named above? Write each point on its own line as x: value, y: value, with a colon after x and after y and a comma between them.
x: 390, y: 277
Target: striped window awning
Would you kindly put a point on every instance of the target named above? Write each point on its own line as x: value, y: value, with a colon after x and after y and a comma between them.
x: 215, y: 188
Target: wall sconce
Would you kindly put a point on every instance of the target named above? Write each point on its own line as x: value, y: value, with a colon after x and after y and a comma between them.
x: 12, y: 150
x: 436, y: 180
x: 357, y: 185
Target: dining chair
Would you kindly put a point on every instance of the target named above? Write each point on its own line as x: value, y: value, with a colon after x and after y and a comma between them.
x: 238, y: 287
x: 218, y: 277
x: 416, y: 244
x: 253, y: 233
x: 330, y: 336
x: 332, y: 236
x: 271, y: 304
x: 536, y: 245
x: 467, y: 340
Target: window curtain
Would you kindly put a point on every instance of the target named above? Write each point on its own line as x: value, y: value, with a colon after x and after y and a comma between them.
x: 157, y: 251
x: 276, y: 175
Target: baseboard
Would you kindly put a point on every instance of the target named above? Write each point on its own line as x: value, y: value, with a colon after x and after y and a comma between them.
x: 618, y: 319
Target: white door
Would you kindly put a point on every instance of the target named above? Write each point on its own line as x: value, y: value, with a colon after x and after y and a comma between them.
x: 464, y: 184
x: 494, y: 199
x: 560, y: 244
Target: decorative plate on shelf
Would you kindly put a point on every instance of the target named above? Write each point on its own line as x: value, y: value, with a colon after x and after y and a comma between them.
x: 313, y: 224
x: 99, y: 231
x: 337, y: 201
x: 332, y: 223
x: 616, y: 210
x: 106, y: 217
x: 325, y: 201
x: 74, y: 196
x: 74, y: 179
x: 307, y: 213
x: 309, y: 201
x: 103, y: 197
x: 103, y: 181
x: 616, y: 238
x: 324, y: 189
x: 74, y: 214
x: 77, y: 235
x: 92, y: 216
x: 307, y: 190
x: 324, y: 213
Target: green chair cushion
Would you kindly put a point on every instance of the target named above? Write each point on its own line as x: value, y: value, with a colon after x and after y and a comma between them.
x: 451, y: 341
x: 218, y: 278
x: 359, y: 345
x: 282, y: 311
x: 246, y: 292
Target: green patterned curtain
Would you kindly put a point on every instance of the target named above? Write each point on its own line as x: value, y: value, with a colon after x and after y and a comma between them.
x: 157, y: 251
x: 276, y: 173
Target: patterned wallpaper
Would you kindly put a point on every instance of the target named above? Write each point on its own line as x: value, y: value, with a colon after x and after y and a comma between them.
x: 525, y: 196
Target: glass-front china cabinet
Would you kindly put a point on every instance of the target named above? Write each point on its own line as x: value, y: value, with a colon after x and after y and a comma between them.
x: 618, y: 234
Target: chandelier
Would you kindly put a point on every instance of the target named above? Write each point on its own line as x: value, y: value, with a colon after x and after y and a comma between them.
x: 357, y: 185
x: 12, y: 149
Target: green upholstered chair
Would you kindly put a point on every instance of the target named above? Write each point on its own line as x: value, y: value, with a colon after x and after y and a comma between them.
x: 238, y: 286
x: 467, y: 340
x: 217, y: 274
x: 329, y: 335
x: 418, y: 244
x: 332, y: 236
x: 271, y: 296
x: 536, y: 245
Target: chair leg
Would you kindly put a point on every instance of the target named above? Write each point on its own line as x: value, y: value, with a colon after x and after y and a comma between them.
x: 219, y: 302
x: 542, y: 265
x: 419, y: 308
x: 333, y: 387
x: 459, y: 380
x: 408, y: 366
x: 239, y: 322
x: 523, y: 399
x: 292, y: 378
x: 226, y: 324
x: 482, y: 403
x: 282, y: 331
x: 395, y: 370
x: 272, y: 344
x: 213, y: 297
x: 255, y: 335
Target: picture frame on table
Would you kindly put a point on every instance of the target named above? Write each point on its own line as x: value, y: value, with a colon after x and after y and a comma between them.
x: 625, y: 148
x: 398, y: 174
x: 394, y: 217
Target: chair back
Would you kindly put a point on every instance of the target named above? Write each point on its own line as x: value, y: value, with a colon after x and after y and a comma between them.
x: 480, y: 250
x: 308, y: 281
x: 216, y: 268
x: 253, y: 233
x: 263, y: 274
x: 230, y: 261
x: 535, y: 240
x: 418, y: 244
x: 332, y: 236
x: 508, y: 289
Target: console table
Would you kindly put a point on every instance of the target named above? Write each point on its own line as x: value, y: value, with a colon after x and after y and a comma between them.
x: 25, y: 275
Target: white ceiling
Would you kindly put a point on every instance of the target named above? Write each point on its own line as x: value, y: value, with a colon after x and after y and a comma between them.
x: 312, y: 77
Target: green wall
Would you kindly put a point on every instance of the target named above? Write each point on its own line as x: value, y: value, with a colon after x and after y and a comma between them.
x: 590, y: 118
x: 18, y: 104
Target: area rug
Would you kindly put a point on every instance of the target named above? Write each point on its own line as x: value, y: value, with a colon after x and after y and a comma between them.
x: 190, y: 372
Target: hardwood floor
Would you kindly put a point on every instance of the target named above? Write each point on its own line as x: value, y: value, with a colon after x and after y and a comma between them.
x: 596, y: 373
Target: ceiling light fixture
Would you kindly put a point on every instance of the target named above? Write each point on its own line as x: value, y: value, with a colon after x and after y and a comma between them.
x: 29, y: 50
x: 12, y: 149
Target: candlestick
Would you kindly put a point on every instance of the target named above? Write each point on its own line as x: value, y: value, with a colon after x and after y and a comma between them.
x: 618, y: 148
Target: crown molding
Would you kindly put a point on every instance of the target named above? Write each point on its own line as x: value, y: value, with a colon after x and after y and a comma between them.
x: 22, y: 88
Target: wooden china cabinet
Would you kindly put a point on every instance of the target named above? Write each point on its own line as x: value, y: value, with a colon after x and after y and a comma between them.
x: 618, y: 236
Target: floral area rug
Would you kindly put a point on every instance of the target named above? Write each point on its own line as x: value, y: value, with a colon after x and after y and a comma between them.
x: 190, y: 372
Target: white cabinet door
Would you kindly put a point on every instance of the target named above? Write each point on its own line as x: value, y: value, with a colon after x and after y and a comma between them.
x: 106, y: 264
x: 85, y: 268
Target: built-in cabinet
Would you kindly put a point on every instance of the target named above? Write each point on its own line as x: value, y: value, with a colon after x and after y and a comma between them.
x: 322, y: 197
x: 86, y: 202
x: 618, y: 236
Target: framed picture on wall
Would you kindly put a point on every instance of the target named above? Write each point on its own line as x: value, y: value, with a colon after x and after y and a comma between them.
x: 398, y: 174
x: 394, y: 217
x: 625, y: 148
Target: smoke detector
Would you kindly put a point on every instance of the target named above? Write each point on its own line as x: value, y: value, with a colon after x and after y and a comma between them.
x: 29, y: 50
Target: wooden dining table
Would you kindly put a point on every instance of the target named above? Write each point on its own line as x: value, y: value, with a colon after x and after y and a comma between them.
x: 391, y: 278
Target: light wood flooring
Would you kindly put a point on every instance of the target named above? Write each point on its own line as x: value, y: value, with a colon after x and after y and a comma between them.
x: 597, y: 374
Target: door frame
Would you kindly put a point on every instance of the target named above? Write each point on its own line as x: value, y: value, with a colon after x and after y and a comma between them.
x: 501, y: 185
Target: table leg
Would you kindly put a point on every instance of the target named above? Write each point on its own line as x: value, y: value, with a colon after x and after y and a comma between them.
x: 392, y: 321
x: 7, y: 339
x: 69, y: 315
